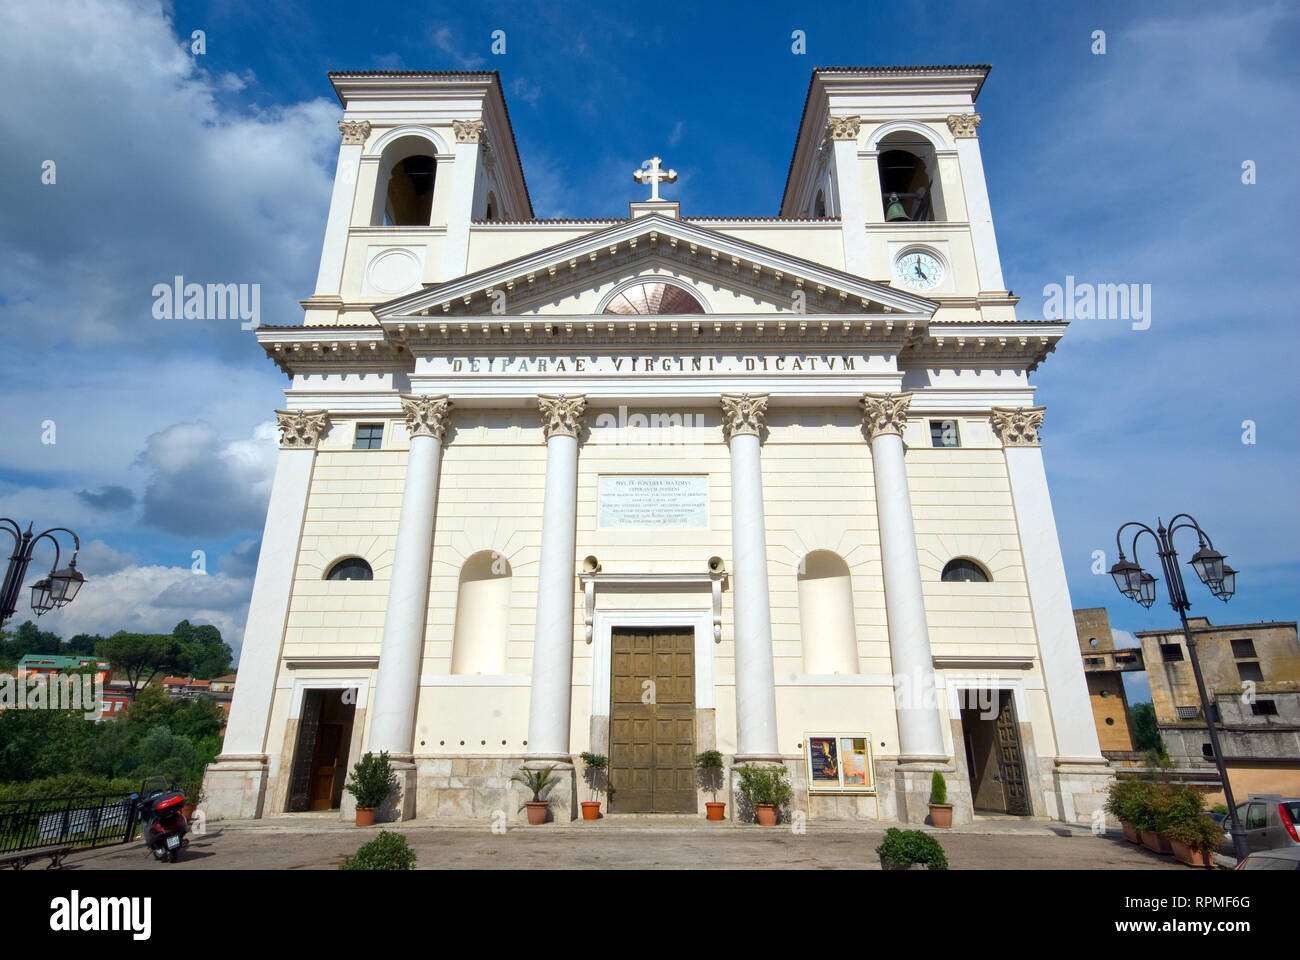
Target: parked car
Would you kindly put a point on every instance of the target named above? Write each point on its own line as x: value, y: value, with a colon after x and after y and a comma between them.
x: 1285, y: 858
x: 1269, y: 821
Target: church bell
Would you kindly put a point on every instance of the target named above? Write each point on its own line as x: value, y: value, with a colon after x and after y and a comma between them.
x: 895, y: 210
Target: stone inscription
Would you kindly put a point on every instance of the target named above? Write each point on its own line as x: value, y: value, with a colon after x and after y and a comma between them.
x: 663, y: 501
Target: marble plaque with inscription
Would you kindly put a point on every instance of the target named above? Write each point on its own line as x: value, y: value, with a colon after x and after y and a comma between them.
x: 659, y: 501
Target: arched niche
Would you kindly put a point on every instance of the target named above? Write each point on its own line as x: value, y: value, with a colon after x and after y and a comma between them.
x: 404, y: 187
x: 826, y: 628
x: 482, y: 615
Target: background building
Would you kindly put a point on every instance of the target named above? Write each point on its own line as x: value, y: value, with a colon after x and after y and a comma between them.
x: 1252, y: 678
x: 1104, y: 665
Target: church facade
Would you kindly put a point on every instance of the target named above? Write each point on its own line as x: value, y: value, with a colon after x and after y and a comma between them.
x: 651, y: 486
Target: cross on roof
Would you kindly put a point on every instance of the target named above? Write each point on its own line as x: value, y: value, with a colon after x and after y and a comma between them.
x: 653, y: 174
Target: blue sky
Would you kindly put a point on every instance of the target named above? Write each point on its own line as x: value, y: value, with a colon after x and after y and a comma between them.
x: 1115, y: 168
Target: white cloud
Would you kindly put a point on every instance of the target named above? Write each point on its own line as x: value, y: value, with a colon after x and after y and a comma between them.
x: 153, y: 599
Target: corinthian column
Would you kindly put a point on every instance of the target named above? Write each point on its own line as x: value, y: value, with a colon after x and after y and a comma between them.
x: 392, y: 726
x: 919, y: 734
x: 1049, y: 595
x: 236, y: 783
x: 755, y: 680
x: 549, y: 703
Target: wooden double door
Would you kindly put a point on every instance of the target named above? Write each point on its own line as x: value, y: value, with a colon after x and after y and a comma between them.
x: 995, y: 756
x: 652, y: 720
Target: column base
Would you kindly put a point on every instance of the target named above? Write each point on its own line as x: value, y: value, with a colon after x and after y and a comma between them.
x: 562, y: 794
x: 1079, y: 787
x: 400, y: 804
x: 910, y: 780
x: 234, y: 787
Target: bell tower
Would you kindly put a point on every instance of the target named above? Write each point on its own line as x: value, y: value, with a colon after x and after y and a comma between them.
x: 423, y: 155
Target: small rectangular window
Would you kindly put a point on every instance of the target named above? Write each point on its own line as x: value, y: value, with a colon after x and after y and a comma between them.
x: 1248, y: 670
x: 1264, y: 708
x: 370, y: 436
x: 1171, y: 652
x: 943, y: 433
x: 1243, y: 648
x: 1188, y: 713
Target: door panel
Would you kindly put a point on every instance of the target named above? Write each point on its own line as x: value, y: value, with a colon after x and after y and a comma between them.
x: 1011, y: 759
x: 652, y: 744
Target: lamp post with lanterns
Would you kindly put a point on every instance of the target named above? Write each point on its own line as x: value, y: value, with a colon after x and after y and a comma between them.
x: 56, y: 590
x: 1140, y: 586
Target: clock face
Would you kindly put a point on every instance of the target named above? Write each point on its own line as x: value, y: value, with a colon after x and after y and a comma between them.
x: 919, y: 270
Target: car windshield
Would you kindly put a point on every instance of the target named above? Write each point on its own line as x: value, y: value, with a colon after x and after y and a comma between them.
x: 1292, y: 810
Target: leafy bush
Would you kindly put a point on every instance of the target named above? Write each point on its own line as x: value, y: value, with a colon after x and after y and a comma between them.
x: 388, y: 851
x: 1154, y: 806
x: 535, y: 780
x: 710, y: 765
x: 371, y: 781
x: 905, y: 847
x: 68, y: 785
x: 1199, y: 833
x: 1126, y: 797
x: 765, y: 785
x: 938, y: 789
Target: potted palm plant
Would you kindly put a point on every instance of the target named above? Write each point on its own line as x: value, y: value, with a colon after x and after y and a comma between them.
x: 709, y: 763
x: 371, y: 782
x: 597, y: 765
x: 536, y: 780
x: 767, y: 789
x: 940, y: 808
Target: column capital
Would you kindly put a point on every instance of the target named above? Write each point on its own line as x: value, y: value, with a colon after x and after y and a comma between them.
x: 843, y: 128
x: 426, y: 416
x: 301, y: 429
x: 1018, y: 426
x: 884, y: 413
x: 354, y: 131
x: 963, y: 125
x: 469, y: 131
x: 561, y: 415
x: 743, y: 414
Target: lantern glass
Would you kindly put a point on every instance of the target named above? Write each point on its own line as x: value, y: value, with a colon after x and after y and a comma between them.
x: 1228, y: 585
x: 65, y: 583
x: 1127, y: 578
x: 42, y: 602
x: 1208, y: 564
x: 1146, y: 590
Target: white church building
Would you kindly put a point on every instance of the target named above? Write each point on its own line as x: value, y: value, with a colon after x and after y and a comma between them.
x: 662, y: 484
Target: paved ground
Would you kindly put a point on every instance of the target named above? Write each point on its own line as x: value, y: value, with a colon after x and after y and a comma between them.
x: 306, y: 843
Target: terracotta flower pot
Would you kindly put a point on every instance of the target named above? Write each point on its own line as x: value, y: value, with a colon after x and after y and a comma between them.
x: 365, y: 816
x: 715, y: 810
x: 766, y: 813
x: 590, y: 810
x: 536, y: 811
x: 1130, y: 832
x: 1155, y: 842
x: 1193, y: 858
x: 941, y: 814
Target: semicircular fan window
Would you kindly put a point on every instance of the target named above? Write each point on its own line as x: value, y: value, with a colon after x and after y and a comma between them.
x: 653, y: 297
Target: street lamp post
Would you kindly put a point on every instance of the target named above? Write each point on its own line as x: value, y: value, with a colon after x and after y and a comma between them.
x: 1136, y: 584
x: 56, y: 590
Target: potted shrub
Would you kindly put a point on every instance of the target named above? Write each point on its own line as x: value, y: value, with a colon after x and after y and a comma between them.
x: 1123, y: 801
x: 910, y: 850
x: 371, y: 782
x: 193, y: 790
x: 597, y: 765
x: 536, y: 780
x: 388, y: 851
x: 767, y: 789
x: 1194, y: 840
x: 709, y: 763
x: 940, y: 808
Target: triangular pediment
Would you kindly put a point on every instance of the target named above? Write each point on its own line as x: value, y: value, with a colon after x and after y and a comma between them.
x: 729, y: 276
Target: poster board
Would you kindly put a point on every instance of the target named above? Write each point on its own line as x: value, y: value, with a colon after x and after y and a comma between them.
x: 839, y: 762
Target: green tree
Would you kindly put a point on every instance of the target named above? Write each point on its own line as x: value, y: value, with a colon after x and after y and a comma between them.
x: 81, y: 645
x: 163, y: 754
x: 140, y: 657
x: 28, y: 638
x: 150, y: 707
x: 1142, y: 720
x: 211, y: 655
x: 44, y: 743
x: 194, y: 718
